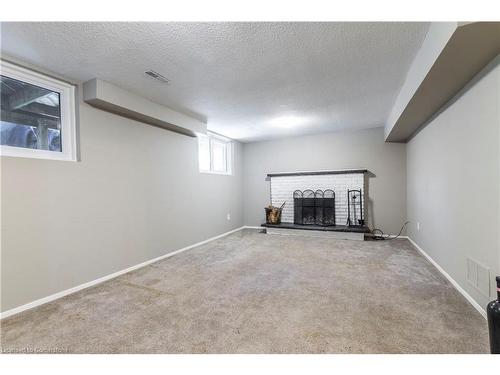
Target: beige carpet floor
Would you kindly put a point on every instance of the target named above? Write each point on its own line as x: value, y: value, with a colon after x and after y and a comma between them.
x: 256, y: 293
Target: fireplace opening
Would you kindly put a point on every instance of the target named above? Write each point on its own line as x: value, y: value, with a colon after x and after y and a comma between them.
x: 314, y: 207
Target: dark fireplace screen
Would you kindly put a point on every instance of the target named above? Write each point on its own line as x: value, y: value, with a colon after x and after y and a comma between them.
x: 314, y: 207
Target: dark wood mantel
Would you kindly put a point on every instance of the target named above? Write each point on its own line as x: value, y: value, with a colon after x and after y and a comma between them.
x: 314, y: 173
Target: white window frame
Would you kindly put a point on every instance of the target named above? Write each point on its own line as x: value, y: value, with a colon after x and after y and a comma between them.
x: 67, y: 109
x: 229, y: 153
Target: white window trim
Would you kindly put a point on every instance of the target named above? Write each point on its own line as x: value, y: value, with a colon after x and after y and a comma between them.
x: 67, y: 106
x: 229, y: 154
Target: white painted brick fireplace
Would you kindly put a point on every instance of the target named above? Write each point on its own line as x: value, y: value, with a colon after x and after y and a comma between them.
x: 284, y: 184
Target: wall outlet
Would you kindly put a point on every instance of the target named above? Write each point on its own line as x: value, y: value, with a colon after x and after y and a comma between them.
x: 418, y: 226
x: 228, y: 217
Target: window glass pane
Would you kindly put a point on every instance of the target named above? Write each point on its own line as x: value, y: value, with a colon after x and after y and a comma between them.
x: 204, y: 153
x: 219, y: 156
x: 30, y: 116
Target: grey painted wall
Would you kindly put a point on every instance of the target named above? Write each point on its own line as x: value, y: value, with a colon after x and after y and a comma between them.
x: 453, y: 182
x: 136, y: 194
x: 339, y: 150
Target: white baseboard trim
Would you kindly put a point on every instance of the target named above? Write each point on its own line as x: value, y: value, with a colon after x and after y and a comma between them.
x: 53, y: 297
x: 450, y: 279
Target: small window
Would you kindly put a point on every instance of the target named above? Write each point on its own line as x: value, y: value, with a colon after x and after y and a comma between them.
x: 215, y: 154
x: 37, y: 115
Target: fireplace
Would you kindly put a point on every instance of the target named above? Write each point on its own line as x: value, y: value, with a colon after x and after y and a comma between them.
x: 314, y: 207
x: 326, y: 204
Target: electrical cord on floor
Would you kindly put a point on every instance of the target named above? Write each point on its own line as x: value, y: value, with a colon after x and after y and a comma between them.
x: 382, y: 236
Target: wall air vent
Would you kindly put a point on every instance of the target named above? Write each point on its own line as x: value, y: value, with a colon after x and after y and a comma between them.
x: 157, y: 76
x: 478, y: 276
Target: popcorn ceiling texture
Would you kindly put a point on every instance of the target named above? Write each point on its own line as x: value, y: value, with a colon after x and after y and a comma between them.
x: 239, y: 76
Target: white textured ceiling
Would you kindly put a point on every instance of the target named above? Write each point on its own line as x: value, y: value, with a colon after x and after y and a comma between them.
x: 251, y: 81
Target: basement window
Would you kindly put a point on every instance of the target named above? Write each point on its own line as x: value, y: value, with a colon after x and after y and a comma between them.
x: 37, y: 118
x: 215, y: 154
